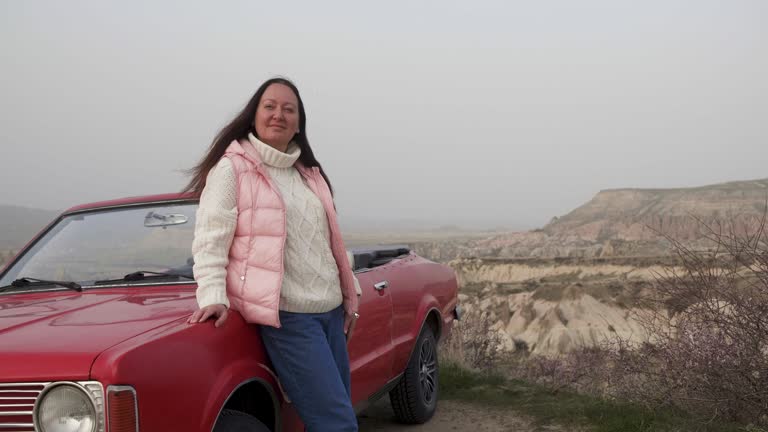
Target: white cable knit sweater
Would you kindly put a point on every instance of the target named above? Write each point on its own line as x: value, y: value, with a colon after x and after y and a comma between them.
x: 311, y: 277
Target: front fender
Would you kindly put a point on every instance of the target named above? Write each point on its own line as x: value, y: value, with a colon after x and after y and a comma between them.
x: 184, y: 373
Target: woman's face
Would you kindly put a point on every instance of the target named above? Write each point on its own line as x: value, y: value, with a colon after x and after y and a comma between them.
x: 277, y: 116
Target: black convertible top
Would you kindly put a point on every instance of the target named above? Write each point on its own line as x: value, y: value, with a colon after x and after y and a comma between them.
x: 373, y: 256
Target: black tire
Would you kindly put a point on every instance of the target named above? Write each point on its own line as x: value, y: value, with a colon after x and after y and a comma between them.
x: 236, y: 421
x: 414, y: 399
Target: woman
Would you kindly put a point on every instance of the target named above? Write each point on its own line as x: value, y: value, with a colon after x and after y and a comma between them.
x: 267, y: 244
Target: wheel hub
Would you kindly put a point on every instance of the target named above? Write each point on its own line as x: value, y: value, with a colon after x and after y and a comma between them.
x: 427, y: 372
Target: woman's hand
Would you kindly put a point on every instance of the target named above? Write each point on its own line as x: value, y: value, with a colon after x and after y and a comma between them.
x: 218, y: 311
x: 349, y: 323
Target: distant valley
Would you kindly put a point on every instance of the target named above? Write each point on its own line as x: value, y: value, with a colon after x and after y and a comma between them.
x: 576, y: 280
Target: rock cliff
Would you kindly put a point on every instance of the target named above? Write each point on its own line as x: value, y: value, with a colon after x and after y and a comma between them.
x: 626, y: 222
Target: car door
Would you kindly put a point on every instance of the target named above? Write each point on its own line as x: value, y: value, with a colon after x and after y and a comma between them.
x: 370, y: 348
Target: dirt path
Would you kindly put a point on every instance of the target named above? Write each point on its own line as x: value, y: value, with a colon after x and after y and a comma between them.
x: 450, y: 416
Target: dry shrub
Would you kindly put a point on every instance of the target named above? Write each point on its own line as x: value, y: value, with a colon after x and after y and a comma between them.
x: 707, y: 349
x: 473, y: 343
x: 581, y: 370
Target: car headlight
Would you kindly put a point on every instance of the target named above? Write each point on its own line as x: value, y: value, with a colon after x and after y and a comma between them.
x: 65, y: 407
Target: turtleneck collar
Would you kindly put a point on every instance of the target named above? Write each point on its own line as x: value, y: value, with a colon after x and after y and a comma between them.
x: 274, y: 157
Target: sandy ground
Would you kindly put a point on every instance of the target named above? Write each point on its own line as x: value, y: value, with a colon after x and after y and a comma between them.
x: 450, y: 416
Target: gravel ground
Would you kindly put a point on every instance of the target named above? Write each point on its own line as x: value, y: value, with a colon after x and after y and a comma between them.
x: 450, y: 416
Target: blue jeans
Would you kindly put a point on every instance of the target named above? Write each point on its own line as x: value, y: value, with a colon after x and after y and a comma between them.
x: 309, y: 354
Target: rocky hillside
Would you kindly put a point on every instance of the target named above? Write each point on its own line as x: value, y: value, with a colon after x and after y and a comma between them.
x: 628, y: 222
x: 552, y: 306
x: 627, y: 214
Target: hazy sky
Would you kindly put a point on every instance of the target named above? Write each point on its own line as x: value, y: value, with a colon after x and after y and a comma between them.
x: 471, y: 112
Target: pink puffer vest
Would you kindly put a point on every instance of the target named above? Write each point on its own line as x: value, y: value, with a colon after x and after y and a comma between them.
x: 255, y: 270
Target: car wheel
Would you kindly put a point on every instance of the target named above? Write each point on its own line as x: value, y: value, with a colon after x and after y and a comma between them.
x: 236, y: 421
x: 414, y: 399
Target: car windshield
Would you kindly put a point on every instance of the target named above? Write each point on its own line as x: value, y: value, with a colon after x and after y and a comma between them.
x: 108, y: 244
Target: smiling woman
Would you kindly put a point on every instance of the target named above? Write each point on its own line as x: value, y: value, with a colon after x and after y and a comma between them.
x: 268, y: 245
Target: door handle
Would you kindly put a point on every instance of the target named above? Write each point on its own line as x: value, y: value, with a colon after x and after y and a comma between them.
x: 381, y: 285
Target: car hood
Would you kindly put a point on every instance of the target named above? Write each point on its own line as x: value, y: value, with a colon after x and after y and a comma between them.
x: 57, y: 335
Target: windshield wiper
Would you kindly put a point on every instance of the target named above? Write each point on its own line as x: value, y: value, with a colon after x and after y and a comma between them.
x: 143, y: 274
x: 28, y: 281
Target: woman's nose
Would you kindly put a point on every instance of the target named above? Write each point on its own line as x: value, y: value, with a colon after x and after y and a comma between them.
x: 279, y: 114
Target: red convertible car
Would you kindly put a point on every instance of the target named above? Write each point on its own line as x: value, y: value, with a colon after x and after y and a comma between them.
x: 94, y: 335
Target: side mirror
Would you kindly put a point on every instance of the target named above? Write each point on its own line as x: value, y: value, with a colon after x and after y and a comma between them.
x: 153, y: 219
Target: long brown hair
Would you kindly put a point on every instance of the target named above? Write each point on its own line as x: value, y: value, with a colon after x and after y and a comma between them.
x: 239, y: 127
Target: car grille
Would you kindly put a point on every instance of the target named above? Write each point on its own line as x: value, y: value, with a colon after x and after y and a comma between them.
x: 16, y: 404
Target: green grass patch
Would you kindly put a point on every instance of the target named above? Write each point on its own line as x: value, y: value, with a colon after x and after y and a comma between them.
x: 546, y: 407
